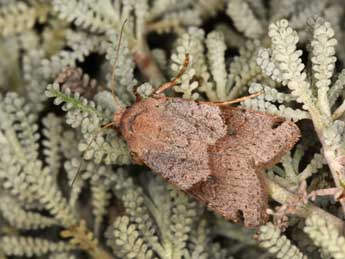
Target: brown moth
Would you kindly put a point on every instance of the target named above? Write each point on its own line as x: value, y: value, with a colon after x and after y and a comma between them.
x: 214, y: 152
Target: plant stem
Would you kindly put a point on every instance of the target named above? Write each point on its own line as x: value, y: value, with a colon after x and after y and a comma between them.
x: 83, y: 238
x: 282, y: 195
x: 336, y: 166
x: 148, y: 66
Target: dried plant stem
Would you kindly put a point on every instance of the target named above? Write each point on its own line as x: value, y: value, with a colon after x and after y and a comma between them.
x: 148, y: 66
x: 282, y: 195
x: 82, y: 237
x: 335, y: 164
x: 336, y: 167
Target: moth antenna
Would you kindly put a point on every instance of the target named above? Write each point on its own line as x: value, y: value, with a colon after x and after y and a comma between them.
x: 241, y: 99
x: 87, y: 148
x: 112, y: 85
x: 173, y: 82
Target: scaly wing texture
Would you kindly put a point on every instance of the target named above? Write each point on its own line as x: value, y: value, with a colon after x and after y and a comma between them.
x: 172, y: 136
x: 237, y: 188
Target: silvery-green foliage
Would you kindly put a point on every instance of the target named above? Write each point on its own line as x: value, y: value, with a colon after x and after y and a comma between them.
x: 124, y: 68
x: 216, y: 59
x: 244, y: 18
x: 211, y: 75
x: 270, y: 238
x: 21, y: 153
x: 26, y: 181
x: 9, y: 64
x: 101, y: 146
x: 19, y: 17
x: 313, y: 167
x: 290, y: 51
x: 52, y: 146
x: 159, y: 223
x: 191, y: 43
x: 33, y: 78
x: 61, y: 255
x: 23, y: 219
x: 326, y: 237
x: 31, y: 246
x: 145, y: 90
x: 87, y: 14
x: 81, y: 44
x: 160, y: 57
x: 297, y: 167
x: 274, y: 102
x: 337, y: 88
x: 244, y: 70
x: 283, y: 59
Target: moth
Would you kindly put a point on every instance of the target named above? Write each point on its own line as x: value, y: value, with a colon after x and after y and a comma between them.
x: 215, y: 153
x: 210, y: 150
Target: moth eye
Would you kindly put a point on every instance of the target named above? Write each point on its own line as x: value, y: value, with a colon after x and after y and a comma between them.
x: 276, y: 124
x: 133, y: 154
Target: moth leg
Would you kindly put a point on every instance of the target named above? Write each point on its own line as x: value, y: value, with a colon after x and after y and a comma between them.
x: 173, y: 82
x: 241, y: 99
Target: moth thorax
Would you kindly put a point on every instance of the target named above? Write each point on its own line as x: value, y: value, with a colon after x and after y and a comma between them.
x: 118, y: 116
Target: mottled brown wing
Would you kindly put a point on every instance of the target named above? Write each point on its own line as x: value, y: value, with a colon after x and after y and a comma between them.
x: 172, y: 136
x: 255, y: 141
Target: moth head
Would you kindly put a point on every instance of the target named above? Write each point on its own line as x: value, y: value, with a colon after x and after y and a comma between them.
x: 118, y: 117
